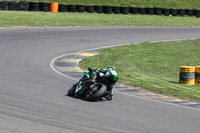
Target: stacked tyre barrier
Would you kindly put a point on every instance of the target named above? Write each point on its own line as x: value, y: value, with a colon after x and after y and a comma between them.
x: 44, y: 7
x: 14, y: 5
x: 62, y: 8
x: 197, y: 75
x: 41, y: 6
x: 189, y: 75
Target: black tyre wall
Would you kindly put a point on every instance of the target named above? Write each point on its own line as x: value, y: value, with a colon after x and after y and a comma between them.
x: 23, y: 6
x: 141, y: 10
x: 124, y: 10
x: 80, y: 8
x: 34, y: 6
x: 181, y: 12
x: 12, y: 5
x: 173, y: 12
x: 44, y: 7
x: 16, y: 5
x: 62, y: 8
x: 189, y: 12
x: 133, y: 10
x: 72, y: 8
x: 157, y: 11
x: 150, y: 11
x: 197, y: 13
x: 3, y: 5
x: 166, y: 12
x: 98, y: 9
x: 89, y: 9
x: 116, y: 9
x: 107, y: 9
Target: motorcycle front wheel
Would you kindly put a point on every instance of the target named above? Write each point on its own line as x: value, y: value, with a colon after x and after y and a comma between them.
x: 71, y: 91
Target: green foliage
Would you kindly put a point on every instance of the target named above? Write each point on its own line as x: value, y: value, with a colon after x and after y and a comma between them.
x: 153, y: 66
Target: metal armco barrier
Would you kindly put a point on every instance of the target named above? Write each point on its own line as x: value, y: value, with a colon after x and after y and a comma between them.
x: 41, y: 6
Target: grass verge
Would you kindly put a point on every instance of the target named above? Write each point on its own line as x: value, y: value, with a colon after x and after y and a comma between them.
x: 20, y: 18
x: 152, y: 66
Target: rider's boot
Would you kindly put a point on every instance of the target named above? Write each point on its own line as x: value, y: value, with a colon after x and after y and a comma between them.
x: 109, y: 97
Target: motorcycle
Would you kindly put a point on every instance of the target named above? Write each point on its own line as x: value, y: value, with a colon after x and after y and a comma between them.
x: 93, y: 90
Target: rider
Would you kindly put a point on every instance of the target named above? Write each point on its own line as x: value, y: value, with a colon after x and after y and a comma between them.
x: 92, y: 74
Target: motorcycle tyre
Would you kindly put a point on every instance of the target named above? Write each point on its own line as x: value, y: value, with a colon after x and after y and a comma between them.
x: 71, y: 91
x: 98, y: 94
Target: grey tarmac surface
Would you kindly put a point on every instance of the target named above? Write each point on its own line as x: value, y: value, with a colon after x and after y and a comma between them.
x: 32, y: 95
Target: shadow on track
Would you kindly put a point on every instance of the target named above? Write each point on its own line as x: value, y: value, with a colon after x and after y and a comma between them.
x: 83, y: 98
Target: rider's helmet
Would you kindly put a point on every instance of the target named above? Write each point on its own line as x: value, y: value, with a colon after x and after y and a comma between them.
x: 110, y: 68
x: 113, y: 72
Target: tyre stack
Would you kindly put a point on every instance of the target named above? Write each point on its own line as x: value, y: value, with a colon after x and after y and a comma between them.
x: 116, y: 9
x: 34, y: 6
x: 89, y: 9
x: 80, y: 8
x: 197, y: 75
x: 149, y: 11
x: 3, y: 5
x: 181, y: 12
x: 23, y: 6
x: 124, y: 10
x: 72, y: 8
x: 166, y: 12
x: 16, y: 5
x: 142, y: 10
x: 98, y: 9
x: 187, y: 75
x: 189, y: 12
x: 13, y: 6
x: 107, y: 9
x: 174, y: 12
x: 62, y: 8
x: 133, y: 10
x: 197, y: 13
x: 157, y: 11
x: 44, y: 6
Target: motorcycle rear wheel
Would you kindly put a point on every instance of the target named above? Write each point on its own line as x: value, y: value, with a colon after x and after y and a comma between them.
x: 102, y: 90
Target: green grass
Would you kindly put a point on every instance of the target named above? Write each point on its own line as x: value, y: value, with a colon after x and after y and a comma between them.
x: 152, y: 66
x: 20, y: 18
x: 186, y: 4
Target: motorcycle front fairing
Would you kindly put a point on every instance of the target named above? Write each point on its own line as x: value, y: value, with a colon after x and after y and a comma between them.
x: 83, y: 87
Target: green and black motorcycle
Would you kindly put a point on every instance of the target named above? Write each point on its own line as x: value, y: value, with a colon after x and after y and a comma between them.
x: 93, y: 90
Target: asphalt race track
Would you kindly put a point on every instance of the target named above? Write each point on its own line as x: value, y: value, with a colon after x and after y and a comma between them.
x: 32, y: 95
